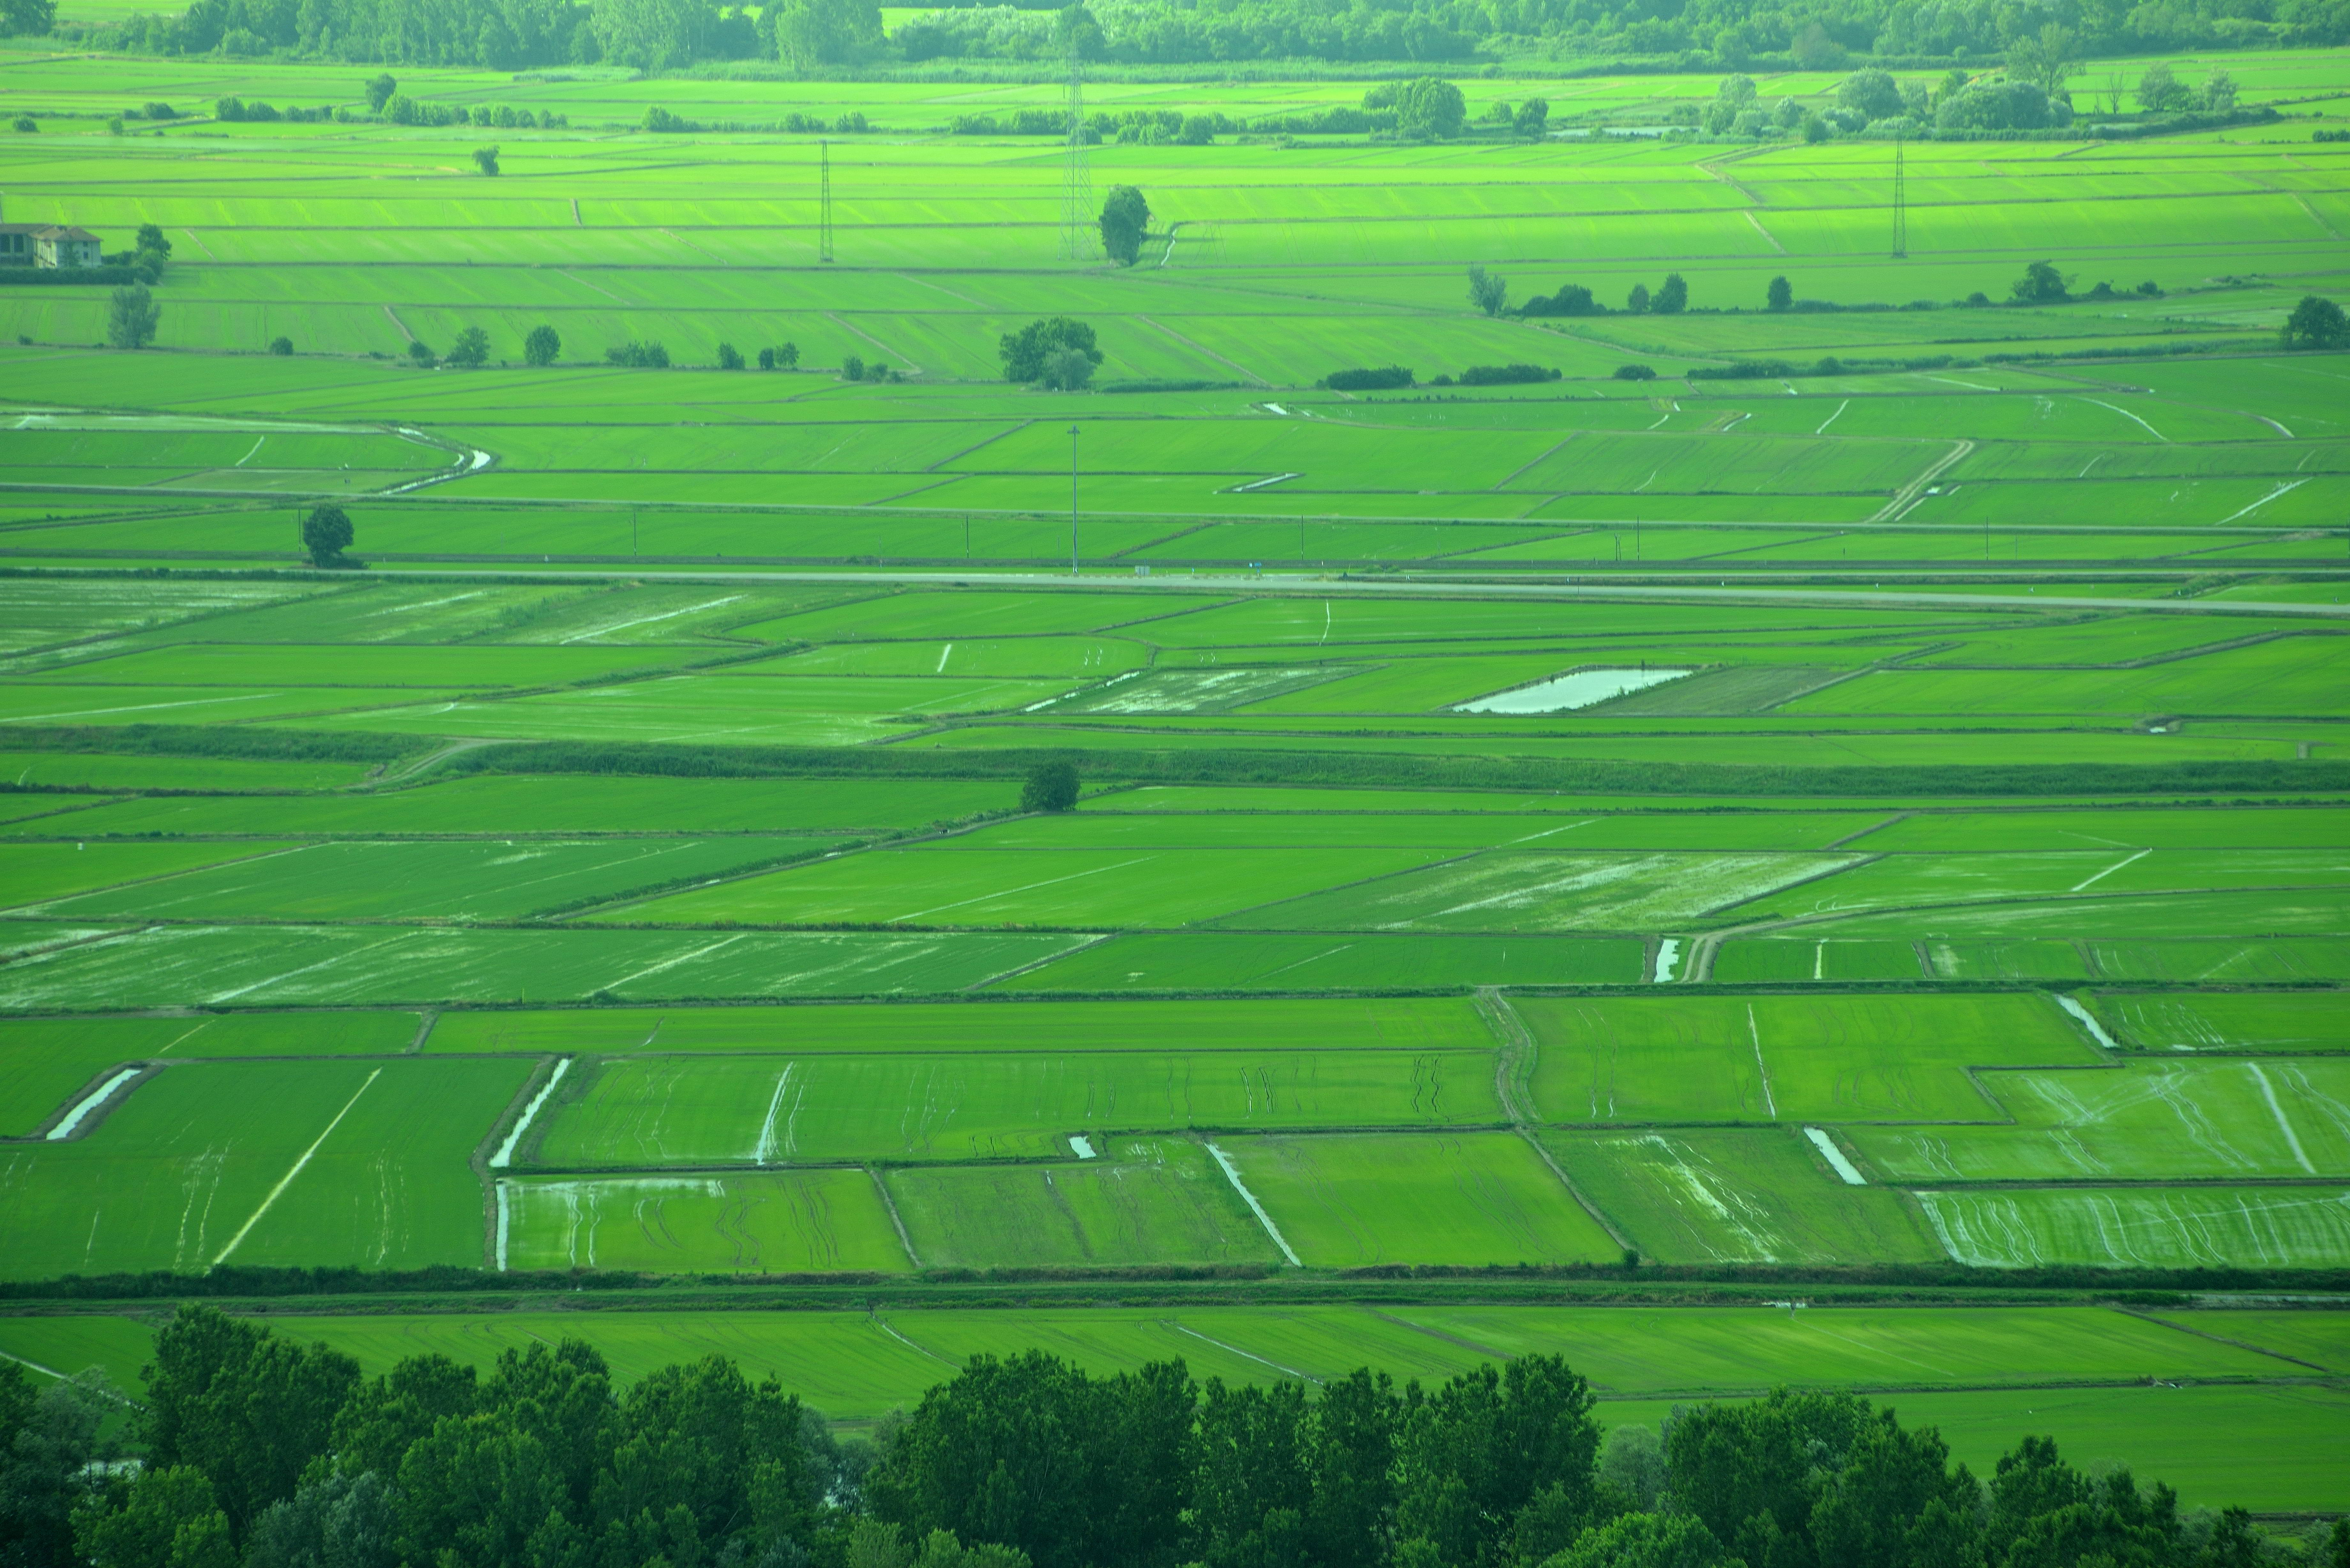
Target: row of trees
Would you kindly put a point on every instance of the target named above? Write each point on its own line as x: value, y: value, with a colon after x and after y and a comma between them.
x: 1490, y: 293
x: 275, y: 1454
x: 507, y: 35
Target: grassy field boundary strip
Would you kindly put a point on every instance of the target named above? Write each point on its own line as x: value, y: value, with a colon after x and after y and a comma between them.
x: 834, y: 317
x: 2144, y: 1315
x: 1244, y: 1355
x: 1513, y: 1085
x: 1183, y: 342
x: 1909, y: 495
x: 886, y: 1326
x: 286, y: 1180
x: 889, y: 1206
x: 1873, y: 827
x: 1091, y: 941
x: 981, y: 444
x: 1231, y: 1174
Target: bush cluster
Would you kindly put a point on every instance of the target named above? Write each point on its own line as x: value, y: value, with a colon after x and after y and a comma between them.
x: 1368, y: 380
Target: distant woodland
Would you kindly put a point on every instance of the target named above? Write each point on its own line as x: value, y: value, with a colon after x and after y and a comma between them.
x: 832, y: 35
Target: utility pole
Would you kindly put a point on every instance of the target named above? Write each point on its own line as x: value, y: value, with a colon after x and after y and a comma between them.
x: 1076, y: 197
x: 1900, y: 205
x: 823, y: 202
x: 1073, y: 500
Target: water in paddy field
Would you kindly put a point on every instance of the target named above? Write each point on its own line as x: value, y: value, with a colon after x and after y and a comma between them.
x: 1579, y: 689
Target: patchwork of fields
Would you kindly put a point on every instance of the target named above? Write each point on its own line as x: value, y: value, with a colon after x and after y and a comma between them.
x: 1812, y: 847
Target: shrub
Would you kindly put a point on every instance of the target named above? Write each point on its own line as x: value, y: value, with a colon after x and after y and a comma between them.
x: 1571, y: 299
x: 1995, y: 106
x: 1376, y: 380
x: 638, y: 356
x: 1025, y: 351
x: 131, y: 317
x: 281, y: 346
x: 1505, y: 374
x: 1050, y: 786
x: 471, y: 349
x: 2041, y: 283
x: 1635, y: 373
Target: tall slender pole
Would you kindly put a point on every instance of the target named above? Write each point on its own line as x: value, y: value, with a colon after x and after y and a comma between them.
x: 1900, y: 205
x: 1073, y: 500
x: 823, y: 202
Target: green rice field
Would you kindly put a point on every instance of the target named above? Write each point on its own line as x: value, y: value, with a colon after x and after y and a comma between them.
x: 1794, y: 845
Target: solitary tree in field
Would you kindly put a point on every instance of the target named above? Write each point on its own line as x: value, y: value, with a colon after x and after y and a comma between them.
x: 729, y: 357
x: 421, y: 352
x: 1487, y: 291
x: 486, y: 159
x: 1025, y: 351
x: 471, y: 349
x: 852, y: 367
x: 1637, y: 300
x: 1051, y: 786
x: 131, y: 317
x: 281, y: 346
x: 327, y: 534
x: 2041, y: 283
x: 1533, y: 118
x: 1782, y: 293
x: 2316, y: 323
x: 1672, y: 297
x: 1124, y: 219
x: 380, y: 90
x: 542, y: 347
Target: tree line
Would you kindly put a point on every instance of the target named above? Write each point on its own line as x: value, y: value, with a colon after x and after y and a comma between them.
x: 270, y: 1452
x: 506, y: 34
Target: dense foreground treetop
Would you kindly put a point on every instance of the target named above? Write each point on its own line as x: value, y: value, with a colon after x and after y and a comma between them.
x: 279, y: 1454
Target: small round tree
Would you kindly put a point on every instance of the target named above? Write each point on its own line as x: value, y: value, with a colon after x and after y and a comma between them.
x: 327, y: 534
x: 1782, y: 293
x: 1051, y: 786
x: 542, y: 347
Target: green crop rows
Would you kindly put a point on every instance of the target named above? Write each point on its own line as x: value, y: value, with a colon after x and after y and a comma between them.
x: 1872, y: 831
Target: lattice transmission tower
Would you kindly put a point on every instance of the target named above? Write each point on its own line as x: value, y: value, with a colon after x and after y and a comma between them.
x: 824, y: 201
x: 1900, y: 205
x: 1077, y: 185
